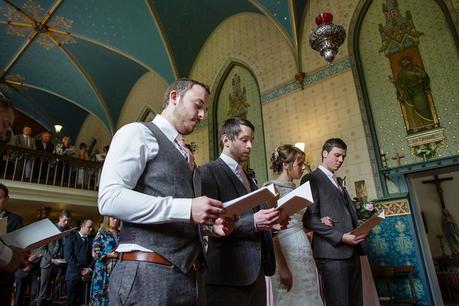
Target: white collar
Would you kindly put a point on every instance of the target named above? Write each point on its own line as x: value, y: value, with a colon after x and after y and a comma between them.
x: 230, y: 162
x: 327, y: 172
x: 166, y: 127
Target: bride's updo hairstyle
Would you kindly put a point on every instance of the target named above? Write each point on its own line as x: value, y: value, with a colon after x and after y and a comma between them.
x: 286, y: 153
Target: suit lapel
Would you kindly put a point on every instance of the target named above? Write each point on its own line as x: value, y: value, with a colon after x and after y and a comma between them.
x: 237, y: 184
x: 330, y: 183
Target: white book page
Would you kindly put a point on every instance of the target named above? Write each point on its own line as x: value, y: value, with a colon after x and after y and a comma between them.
x: 369, y: 224
x: 296, y: 200
x: 33, y: 235
x: 246, y: 202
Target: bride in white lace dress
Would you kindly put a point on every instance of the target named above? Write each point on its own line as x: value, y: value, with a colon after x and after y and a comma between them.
x: 295, y: 281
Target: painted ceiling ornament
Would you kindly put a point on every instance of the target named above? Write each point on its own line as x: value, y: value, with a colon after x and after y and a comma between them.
x: 328, y: 37
x: 22, y: 20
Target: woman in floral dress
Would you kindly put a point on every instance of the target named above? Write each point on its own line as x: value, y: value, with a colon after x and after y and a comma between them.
x: 103, y: 252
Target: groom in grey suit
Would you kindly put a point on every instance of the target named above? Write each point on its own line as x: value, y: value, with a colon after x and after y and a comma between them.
x: 336, y: 251
x: 237, y: 264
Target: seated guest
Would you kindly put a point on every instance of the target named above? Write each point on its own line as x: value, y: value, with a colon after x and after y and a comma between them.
x: 77, y: 253
x: 13, y: 222
x: 52, y: 262
x: 103, y: 252
x: 27, y: 277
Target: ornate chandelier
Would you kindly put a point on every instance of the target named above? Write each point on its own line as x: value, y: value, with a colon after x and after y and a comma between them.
x: 328, y: 36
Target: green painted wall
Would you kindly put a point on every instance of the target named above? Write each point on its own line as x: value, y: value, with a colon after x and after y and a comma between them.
x: 441, y: 62
x: 254, y: 115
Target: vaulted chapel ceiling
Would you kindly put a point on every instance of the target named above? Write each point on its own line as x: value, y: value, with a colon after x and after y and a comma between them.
x: 61, y: 60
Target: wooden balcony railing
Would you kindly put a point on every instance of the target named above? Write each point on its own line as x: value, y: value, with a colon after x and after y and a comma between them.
x: 21, y: 164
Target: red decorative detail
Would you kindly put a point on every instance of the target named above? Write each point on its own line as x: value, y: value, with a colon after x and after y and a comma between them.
x: 324, y: 18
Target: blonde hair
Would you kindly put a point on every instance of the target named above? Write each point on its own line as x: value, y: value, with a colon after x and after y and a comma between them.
x: 106, y: 223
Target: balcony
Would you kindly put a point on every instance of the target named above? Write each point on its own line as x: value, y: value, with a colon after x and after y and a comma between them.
x: 42, y: 181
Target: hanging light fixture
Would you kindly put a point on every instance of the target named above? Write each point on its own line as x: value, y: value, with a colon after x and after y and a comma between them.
x: 328, y: 36
x: 57, y: 128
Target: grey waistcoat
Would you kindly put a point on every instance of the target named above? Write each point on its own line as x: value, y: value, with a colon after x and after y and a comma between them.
x: 166, y: 175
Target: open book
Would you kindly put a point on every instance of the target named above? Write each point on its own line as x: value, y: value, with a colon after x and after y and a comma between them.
x: 369, y: 224
x: 267, y: 194
x: 296, y: 200
x: 34, y: 235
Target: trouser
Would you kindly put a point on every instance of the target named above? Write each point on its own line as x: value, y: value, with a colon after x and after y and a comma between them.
x: 341, y: 281
x: 145, y: 283
x: 251, y: 295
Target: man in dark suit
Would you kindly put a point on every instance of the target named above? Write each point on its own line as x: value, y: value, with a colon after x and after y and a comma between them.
x: 237, y: 264
x: 336, y: 251
x: 77, y: 253
x: 51, y: 264
x: 43, y: 144
x: 14, y: 222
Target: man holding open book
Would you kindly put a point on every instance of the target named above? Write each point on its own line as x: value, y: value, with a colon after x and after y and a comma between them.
x: 237, y: 264
x: 336, y: 250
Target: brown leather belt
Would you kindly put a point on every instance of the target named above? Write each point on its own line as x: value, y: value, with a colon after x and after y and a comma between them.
x: 145, y: 256
x: 153, y: 258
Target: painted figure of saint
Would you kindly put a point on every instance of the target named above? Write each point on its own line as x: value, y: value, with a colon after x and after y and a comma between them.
x: 413, y: 90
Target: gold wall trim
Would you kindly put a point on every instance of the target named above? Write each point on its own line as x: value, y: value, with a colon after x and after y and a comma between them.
x: 395, y: 207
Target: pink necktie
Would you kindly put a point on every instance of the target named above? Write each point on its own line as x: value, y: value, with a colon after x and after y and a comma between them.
x: 185, y: 151
x: 243, y: 178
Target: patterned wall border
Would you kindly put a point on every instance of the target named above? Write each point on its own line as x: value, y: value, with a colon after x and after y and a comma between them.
x: 394, y: 207
x: 308, y: 80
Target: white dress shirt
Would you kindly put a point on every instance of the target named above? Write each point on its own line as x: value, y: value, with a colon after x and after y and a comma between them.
x: 329, y: 174
x: 232, y: 164
x: 132, y: 147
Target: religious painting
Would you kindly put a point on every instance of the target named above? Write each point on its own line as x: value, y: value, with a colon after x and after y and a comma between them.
x: 361, y: 190
x: 239, y: 96
x: 238, y: 104
x: 400, y: 44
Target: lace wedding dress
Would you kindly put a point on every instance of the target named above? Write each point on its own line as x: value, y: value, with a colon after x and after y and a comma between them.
x: 298, y: 255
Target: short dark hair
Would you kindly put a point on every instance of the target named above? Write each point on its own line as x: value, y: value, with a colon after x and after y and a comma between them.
x: 5, y: 103
x: 84, y: 221
x: 231, y: 127
x: 65, y: 213
x: 333, y: 143
x: 4, y: 189
x: 181, y: 86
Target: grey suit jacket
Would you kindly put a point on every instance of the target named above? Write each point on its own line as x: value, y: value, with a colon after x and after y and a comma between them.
x: 330, y: 201
x: 52, y: 250
x: 235, y: 260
